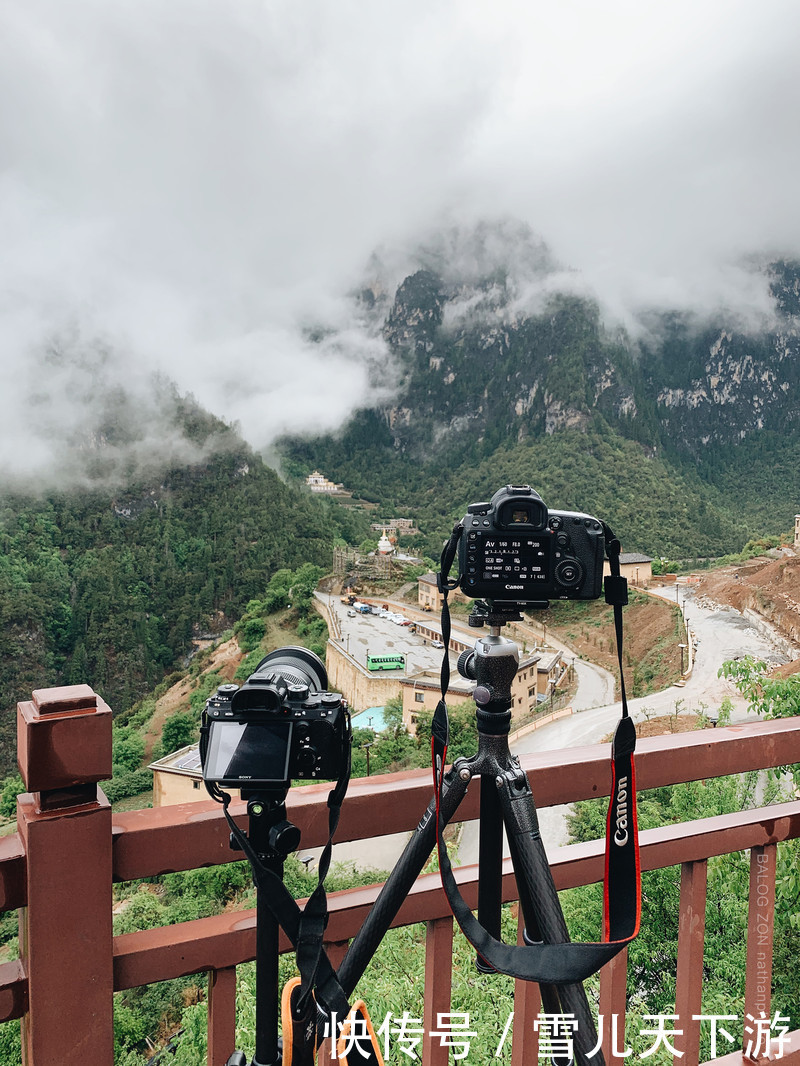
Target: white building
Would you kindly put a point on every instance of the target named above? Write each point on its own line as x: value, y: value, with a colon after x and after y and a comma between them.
x: 319, y: 483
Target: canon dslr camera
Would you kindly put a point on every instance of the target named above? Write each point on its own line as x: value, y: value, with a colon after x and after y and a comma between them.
x: 280, y: 725
x: 514, y: 549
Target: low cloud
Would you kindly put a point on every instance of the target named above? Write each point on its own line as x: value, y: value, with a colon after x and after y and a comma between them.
x: 194, y: 189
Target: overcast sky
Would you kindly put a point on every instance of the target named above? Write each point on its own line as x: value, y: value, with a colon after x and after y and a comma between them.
x: 189, y: 184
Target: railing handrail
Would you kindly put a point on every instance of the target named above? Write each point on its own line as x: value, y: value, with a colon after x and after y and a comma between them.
x: 66, y: 835
x: 185, y: 836
x: 227, y: 939
x: 573, y: 865
x: 197, y: 835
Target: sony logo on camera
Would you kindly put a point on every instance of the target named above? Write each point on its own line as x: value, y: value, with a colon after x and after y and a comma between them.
x: 514, y: 548
x: 280, y: 725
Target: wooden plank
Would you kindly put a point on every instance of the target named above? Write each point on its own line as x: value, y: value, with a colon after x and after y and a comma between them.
x: 189, y: 835
x: 438, y: 986
x: 760, y: 928
x: 227, y: 939
x: 527, y: 1004
x: 691, y: 938
x: 221, y: 1015
x: 613, y: 1004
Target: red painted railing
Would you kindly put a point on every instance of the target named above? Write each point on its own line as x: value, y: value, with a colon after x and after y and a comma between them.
x: 61, y: 865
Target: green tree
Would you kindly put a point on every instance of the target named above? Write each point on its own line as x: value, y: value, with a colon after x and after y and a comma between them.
x: 304, y: 580
x: 12, y: 786
x: 178, y: 731
x: 769, y: 697
x: 463, y: 730
x: 127, y: 749
x: 251, y: 634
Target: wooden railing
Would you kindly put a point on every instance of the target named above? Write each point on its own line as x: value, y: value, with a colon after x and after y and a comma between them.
x: 60, y: 866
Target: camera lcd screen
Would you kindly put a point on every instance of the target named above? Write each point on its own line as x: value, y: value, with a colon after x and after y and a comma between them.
x: 248, y: 752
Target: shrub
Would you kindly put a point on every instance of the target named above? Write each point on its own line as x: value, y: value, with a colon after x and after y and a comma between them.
x: 129, y: 783
x: 178, y: 731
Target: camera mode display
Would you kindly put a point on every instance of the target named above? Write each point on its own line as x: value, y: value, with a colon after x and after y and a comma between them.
x: 506, y: 559
x: 513, y: 549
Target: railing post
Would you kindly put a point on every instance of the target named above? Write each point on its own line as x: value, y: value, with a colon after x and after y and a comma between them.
x: 527, y: 1004
x: 613, y: 1004
x: 64, y: 821
x: 691, y: 938
x: 221, y: 1015
x: 438, y: 987
x: 760, y: 930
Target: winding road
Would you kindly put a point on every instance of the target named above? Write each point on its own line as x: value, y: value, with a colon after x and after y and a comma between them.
x: 718, y: 633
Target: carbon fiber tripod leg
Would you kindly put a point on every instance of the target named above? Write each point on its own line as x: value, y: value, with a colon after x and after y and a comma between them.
x: 490, y: 878
x: 541, y: 908
x: 406, y: 870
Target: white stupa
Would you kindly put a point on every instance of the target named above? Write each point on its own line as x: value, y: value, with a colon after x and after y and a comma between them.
x: 385, y: 546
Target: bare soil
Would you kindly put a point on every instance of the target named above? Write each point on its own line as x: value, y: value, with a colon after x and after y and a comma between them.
x: 224, y: 658
x: 770, y: 587
x: 665, y: 724
x: 669, y: 723
x: 652, y: 633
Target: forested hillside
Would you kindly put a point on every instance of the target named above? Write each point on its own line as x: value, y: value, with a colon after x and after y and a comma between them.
x: 685, y: 439
x: 650, y: 504
x: 109, y: 589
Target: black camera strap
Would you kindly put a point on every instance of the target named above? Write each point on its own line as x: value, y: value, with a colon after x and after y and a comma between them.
x: 571, y: 962
x: 304, y: 927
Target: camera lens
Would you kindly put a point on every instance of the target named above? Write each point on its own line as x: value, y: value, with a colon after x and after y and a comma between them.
x: 297, y: 666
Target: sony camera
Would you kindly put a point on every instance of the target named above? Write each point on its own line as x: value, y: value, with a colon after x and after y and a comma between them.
x: 514, y: 549
x: 281, y: 724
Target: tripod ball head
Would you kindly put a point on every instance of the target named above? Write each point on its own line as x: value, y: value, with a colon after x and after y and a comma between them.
x: 493, y: 663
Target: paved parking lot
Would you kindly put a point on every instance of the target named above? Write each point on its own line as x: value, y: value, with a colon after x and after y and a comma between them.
x: 380, y: 636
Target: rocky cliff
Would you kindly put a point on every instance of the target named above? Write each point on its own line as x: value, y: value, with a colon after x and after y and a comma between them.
x: 477, y: 361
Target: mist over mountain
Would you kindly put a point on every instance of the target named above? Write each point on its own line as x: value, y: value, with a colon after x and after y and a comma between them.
x: 429, y: 250
x: 533, y: 353
x: 499, y: 367
x: 193, y: 190
x: 685, y: 429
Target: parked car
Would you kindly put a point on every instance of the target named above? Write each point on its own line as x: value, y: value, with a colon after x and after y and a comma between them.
x: 437, y: 644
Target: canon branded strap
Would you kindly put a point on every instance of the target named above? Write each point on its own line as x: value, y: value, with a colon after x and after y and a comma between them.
x: 570, y: 962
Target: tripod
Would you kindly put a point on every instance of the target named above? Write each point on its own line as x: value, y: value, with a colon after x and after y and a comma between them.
x: 270, y: 838
x: 506, y: 800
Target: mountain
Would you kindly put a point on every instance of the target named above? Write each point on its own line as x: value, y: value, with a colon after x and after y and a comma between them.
x: 686, y: 438
x: 501, y: 370
x: 109, y: 587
